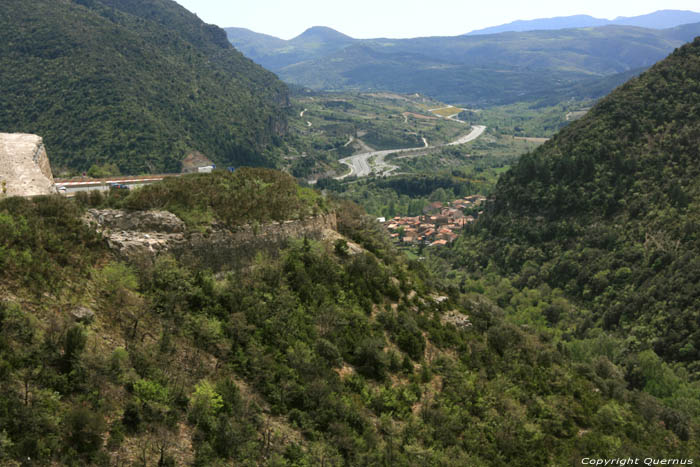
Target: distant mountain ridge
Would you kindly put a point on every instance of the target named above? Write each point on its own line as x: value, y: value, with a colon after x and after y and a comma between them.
x: 479, y: 70
x: 543, y: 24
x: 662, y: 19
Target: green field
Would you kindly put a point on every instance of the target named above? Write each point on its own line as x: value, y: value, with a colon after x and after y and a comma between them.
x: 447, y: 111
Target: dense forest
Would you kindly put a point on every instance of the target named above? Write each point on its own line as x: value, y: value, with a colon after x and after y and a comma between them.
x: 318, y: 355
x: 608, y: 211
x: 593, y: 237
x: 139, y: 84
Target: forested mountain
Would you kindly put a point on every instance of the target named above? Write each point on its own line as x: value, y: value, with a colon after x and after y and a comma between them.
x: 136, y: 83
x: 662, y: 19
x: 312, y: 43
x: 472, y: 71
x: 335, y: 351
x: 608, y: 211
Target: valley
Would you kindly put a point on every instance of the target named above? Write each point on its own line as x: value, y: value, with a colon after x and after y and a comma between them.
x: 353, y: 135
x: 357, y: 136
x: 364, y: 164
x: 479, y: 250
x: 334, y: 131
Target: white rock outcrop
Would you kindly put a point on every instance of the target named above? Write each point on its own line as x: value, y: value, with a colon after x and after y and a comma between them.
x: 139, y: 232
x: 147, y: 234
x: 24, y: 166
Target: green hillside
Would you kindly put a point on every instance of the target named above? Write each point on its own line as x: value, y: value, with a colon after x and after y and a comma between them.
x: 317, y: 355
x: 473, y: 71
x: 136, y: 83
x: 275, y: 53
x: 608, y: 213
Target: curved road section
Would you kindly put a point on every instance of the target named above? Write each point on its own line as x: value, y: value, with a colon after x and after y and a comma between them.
x: 360, y: 163
x: 477, y: 131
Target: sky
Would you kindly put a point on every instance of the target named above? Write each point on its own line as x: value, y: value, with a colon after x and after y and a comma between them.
x: 365, y: 19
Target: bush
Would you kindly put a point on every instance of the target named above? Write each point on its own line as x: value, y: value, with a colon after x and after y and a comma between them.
x: 84, y: 428
x: 245, y: 196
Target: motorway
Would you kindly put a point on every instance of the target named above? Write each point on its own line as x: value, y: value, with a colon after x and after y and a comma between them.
x: 360, y: 163
x: 477, y: 130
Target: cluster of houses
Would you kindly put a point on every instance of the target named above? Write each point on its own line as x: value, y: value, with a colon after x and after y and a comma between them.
x: 438, y: 226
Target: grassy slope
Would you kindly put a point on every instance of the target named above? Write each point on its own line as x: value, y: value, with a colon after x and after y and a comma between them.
x: 249, y: 195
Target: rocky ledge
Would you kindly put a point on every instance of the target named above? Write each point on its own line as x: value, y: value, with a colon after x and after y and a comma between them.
x: 139, y: 232
x: 150, y: 233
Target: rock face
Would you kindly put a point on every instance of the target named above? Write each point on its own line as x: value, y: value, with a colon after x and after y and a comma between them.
x: 24, y: 166
x: 138, y: 233
x: 137, y: 221
x: 458, y: 319
x: 150, y: 233
x: 83, y: 314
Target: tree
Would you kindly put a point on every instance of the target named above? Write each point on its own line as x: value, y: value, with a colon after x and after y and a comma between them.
x: 341, y: 248
x: 73, y: 346
x: 205, y: 403
x: 84, y: 428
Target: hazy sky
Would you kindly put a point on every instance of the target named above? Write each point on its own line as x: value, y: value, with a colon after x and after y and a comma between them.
x: 364, y: 19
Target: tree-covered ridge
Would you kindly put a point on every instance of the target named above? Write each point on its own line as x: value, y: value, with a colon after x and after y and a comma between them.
x: 248, y: 195
x: 608, y: 212
x: 137, y: 83
x: 319, y: 355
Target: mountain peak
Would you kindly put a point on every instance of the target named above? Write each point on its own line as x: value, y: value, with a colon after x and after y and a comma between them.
x: 322, y: 33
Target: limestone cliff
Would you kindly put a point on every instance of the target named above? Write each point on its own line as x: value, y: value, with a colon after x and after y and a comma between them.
x: 24, y: 166
x: 149, y: 233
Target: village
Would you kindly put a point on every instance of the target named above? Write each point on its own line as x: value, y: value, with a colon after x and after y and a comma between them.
x: 439, y: 224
